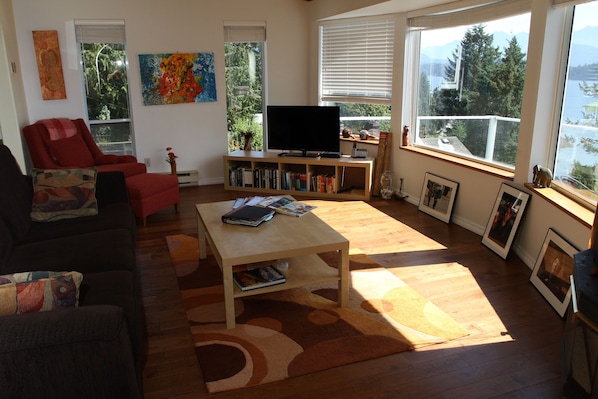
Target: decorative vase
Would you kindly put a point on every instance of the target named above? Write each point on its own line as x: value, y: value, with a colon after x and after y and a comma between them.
x: 247, y: 146
x: 173, y: 168
x: 386, y: 190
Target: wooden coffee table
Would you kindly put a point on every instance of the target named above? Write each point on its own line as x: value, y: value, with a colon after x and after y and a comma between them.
x: 296, y: 239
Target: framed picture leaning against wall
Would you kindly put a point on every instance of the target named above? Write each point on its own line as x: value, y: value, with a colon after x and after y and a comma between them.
x: 505, y: 218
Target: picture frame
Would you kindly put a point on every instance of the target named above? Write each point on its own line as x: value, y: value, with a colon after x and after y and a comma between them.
x: 438, y: 197
x: 504, y: 220
x: 552, y: 270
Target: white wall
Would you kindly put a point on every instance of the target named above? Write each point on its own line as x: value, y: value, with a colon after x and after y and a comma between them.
x: 13, y: 112
x: 197, y: 132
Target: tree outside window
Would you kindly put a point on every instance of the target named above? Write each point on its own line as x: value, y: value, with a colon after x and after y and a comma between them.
x: 470, y: 90
x: 243, y: 72
x: 107, y: 96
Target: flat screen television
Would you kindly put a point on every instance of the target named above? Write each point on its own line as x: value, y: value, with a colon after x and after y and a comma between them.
x: 303, y: 130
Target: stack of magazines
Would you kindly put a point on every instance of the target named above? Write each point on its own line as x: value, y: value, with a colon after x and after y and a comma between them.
x: 286, y: 206
x: 248, y: 215
x: 259, y: 277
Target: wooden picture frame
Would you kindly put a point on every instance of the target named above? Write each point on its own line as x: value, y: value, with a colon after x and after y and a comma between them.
x: 504, y: 220
x: 438, y: 197
x: 552, y: 270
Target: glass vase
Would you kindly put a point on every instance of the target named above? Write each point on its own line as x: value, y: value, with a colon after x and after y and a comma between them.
x: 386, y: 189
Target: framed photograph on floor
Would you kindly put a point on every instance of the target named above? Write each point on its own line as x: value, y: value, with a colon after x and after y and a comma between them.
x: 438, y: 197
x: 504, y: 220
x: 552, y: 270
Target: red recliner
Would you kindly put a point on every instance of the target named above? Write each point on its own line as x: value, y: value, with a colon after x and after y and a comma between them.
x: 67, y: 143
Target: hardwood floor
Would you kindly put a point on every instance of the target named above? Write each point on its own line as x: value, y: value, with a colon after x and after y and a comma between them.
x: 513, y: 350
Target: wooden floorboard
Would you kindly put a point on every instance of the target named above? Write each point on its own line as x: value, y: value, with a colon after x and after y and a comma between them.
x: 513, y: 346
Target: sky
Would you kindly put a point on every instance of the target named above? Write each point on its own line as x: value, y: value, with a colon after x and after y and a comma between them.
x: 516, y: 24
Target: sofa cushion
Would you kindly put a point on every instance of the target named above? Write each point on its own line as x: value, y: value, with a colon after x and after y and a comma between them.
x: 63, y: 194
x: 72, y: 152
x: 39, y: 291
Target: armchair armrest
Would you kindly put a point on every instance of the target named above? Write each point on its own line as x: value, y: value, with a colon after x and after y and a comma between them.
x: 71, y: 353
x: 111, y: 188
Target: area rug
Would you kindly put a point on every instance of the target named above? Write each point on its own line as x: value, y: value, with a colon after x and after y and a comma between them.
x: 300, y: 331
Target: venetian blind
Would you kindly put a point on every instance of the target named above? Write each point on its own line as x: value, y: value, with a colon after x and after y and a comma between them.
x: 564, y: 3
x: 239, y: 32
x: 468, y: 13
x: 100, y: 31
x: 356, y: 61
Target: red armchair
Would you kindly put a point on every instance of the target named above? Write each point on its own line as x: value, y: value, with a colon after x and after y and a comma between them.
x: 67, y: 143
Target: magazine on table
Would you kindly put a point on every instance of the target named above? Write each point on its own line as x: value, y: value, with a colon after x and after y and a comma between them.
x: 260, y: 277
x: 287, y: 206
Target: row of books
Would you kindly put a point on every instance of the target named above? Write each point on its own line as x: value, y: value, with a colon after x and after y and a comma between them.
x: 268, y: 178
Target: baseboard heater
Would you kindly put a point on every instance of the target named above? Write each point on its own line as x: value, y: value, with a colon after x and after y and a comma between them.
x: 188, y: 178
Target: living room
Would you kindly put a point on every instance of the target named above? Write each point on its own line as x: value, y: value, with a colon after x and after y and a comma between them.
x: 198, y: 131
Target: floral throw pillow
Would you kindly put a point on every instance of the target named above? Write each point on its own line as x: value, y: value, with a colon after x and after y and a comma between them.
x: 63, y: 194
x: 31, y: 292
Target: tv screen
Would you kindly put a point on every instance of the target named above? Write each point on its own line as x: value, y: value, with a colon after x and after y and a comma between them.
x: 309, y: 129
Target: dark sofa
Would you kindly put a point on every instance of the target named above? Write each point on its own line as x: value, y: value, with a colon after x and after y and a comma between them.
x: 94, y: 350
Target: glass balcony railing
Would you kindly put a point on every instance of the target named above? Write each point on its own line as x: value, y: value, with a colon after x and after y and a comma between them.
x: 113, y: 136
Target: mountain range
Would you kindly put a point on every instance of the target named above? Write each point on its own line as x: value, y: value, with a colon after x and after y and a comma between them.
x: 584, y: 52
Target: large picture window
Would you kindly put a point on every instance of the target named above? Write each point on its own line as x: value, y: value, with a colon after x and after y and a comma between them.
x: 576, y: 154
x: 470, y: 72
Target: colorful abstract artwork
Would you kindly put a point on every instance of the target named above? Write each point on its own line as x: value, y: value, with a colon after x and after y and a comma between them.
x: 49, y: 64
x: 177, y: 78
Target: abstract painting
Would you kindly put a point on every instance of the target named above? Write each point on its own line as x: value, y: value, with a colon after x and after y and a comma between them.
x: 177, y: 78
x: 49, y: 64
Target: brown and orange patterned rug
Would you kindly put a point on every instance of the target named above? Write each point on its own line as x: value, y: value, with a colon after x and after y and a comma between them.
x: 300, y: 331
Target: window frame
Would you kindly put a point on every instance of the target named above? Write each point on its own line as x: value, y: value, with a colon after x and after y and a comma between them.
x: 559, y: 99
x: 105, y: 31
x: 447, y: 16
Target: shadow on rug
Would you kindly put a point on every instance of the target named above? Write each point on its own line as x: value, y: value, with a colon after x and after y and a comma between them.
x: 301, y: 331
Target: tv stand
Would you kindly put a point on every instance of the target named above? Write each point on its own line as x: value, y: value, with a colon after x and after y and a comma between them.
x: 268, y: 173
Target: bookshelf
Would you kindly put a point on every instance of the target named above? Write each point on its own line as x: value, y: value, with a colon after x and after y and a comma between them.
x: 267, y: 173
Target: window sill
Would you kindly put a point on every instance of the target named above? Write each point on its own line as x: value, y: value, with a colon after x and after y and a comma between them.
x: 504, y: 174
x: 578, y: 212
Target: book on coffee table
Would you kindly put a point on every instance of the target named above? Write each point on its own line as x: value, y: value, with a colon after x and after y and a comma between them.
x: 260, y: 277
x: 248, y: 215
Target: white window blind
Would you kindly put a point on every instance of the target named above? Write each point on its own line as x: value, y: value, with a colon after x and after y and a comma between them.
x: 239, y: 32
x: 100, y: 31
x: 563, y: 3
x: 469, y: 14
x: 356, y: 61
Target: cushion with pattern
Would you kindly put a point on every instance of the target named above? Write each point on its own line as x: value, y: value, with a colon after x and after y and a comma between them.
x: 39, y: 291
x: 63, y: 194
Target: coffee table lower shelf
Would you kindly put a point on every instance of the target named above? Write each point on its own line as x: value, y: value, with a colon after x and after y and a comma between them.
x: 303, y: 271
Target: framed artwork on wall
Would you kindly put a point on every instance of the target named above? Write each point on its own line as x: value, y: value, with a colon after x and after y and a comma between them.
x: 505, y: 218
x: 49, y: 64
x: 177, y: 78
x: 552, y: 270
x: 438, y: 197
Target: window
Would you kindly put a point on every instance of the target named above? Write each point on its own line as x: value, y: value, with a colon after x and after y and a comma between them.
x: 470, y: 71
x: 356, y: 64
x: 104, y: 68
x: 576, y: 154
x: 244, y: 59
